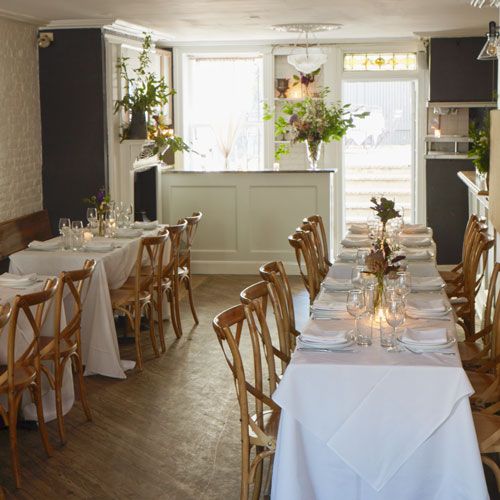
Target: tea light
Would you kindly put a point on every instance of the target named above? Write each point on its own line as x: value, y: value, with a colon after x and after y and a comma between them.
x: 87, y: 236
x: 276, y: 166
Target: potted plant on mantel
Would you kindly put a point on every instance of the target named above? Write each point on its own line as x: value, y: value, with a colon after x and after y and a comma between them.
x: 146, y: 93
x: 479, y: 149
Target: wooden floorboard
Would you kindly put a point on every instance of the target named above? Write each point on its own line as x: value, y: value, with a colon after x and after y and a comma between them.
x: 169, y: 432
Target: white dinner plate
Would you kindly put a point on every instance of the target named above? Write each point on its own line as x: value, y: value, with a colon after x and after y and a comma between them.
x: 428, y: 347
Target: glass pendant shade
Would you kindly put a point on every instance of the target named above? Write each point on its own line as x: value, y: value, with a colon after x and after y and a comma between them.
x: 489, y: 51
x: 307, y: 62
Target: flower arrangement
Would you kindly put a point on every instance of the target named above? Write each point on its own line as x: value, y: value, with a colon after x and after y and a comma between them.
x: 312, y: 120
x: 385, y: 210
x: 479, y: 150
x: 100, y: 201
x: 164, y: 138
x: 304, y: 80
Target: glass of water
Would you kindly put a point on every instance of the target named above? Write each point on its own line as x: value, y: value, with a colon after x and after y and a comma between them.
x: 394, y: 311
x: 356, y: 306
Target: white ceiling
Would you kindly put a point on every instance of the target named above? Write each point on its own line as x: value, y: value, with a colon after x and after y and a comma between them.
x: 210, y: 20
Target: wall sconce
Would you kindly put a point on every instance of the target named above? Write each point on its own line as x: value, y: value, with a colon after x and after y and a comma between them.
x: 45, y: 38
x: 489, y: 51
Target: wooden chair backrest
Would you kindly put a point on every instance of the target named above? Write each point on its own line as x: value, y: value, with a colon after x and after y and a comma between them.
x: 30, y: 355
x: 469, y: 231
x: 189, y: 234
x: 317, y: 246
x: 274, y: 273
x: 5, y: 311
x: 256, y: 297
x: 175, y: 233
x: 16, y: 234
x: 149, y: 256
x: 78, y: 283
x: 307, y: 261
x: 479, y: 246
x: 228, y: 326
x: 317, y: 221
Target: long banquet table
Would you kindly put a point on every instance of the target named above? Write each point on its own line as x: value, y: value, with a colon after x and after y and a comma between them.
x: 371, y: 424
x: 100, y: 350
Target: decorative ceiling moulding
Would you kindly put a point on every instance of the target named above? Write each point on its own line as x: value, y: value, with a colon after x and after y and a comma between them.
x: 15, y: 16
x: 114, y: 26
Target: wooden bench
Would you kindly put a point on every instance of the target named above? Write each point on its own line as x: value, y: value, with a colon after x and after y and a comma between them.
x: 16, y: 234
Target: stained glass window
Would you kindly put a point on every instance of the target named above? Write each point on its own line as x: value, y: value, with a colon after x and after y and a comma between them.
x: 383, y: 61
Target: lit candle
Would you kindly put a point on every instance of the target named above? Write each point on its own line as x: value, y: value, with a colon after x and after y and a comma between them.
x: 276, y: 166
x: 437, y: 132
x: 87, y: 235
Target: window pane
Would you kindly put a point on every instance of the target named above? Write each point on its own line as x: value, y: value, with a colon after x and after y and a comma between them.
x: 224, y: 116
x: 388, y: 61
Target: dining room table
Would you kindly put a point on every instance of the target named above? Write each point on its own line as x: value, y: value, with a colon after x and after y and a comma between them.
x: 115, y: 259
x: 369, y: 423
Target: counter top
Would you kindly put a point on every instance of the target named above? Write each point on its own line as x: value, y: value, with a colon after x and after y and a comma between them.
x: 471, y: 180
x: 265, y: 171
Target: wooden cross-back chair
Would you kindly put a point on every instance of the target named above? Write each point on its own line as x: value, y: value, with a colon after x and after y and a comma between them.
x: 466, y: 310
x: 454, y: 279
x: 487, y: 426
x: 485, y: 378
x: 170, y: 277
x: 321, y: 239
x: 256, y: 296
x: 185, y: 257
x: 66, y: 344
x: 259, y: 414
x: 301, y: 242
x: 135, y: 297
x: 477, y: 347
x: 274, y: 272
x: 23, y: 369
x: 316, y: 248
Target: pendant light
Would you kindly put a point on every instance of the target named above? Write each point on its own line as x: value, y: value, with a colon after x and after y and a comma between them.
x: 305, y: 58
x: 489, y: 51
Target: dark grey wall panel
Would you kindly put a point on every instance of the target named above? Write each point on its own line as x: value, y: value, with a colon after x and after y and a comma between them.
x: 73, y: 121
x: 447, y: 207
x: 455, y: 72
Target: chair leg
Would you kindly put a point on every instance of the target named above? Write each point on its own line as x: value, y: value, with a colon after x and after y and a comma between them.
x: 14, y: 401
x: 37, y: 396
x: 173, y: 316
x: 81, y: 385
x: 257, y: 482
x: 151, y: 309
x: 190, y: 295
x: 137, y: 334
x: 159, y: 310
x: 59, y: 408
x: 175, y: 293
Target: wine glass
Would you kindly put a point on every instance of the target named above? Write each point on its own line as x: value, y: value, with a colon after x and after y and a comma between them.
x: 92, y: 216
x: 357, y: 275
x: 361, y: 255
x: 394, y: 310
x: 129, y: 213
x: 356, y: 306
x: 77, y: 225
x: 110, y: 219
x: 63, y: 223
x: 403, y: 284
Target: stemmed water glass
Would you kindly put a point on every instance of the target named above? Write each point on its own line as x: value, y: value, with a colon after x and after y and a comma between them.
x: 356, y: 306
x: 361, y: 255
x: 129, y: 212
x: 92, y: 216
x: 394, y: 310
x: 357, y: 275
x: 64, y: 222
x: 403, y: 284
x: 64, y: 231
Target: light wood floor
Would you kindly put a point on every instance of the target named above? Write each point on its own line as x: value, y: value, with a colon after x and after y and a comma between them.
x: 169, y: 432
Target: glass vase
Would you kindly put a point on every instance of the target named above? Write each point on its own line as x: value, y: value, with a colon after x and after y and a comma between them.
x: 313, y: 151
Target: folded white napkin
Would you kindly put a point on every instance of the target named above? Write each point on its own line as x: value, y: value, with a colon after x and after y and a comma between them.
x: 422, y: 283
x: 359, y: 229
x: 99, y: 246
x: 425, y: 336
x: 421, y: 307
x: 414, y: 229
x: 414, y: 242
x: 145, y: 224
x: 128, y: 233
x: 337, y: 284
x: 17, y: 280
x: 347, y: 255
x: 324, y: 332
x: 352, y: 242
x: 418, y: 255
x: 47, y: 246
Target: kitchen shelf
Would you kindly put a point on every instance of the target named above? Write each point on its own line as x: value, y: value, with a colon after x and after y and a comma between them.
x: 458, y: 104
x: 447, y: 138
x: 446, y: 155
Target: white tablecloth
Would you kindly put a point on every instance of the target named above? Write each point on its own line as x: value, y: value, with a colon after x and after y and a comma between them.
x: 371, y: 424
x: 24, y: 335
x: 100, y: 350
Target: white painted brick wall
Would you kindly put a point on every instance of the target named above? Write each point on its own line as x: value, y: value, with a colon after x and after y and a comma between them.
x: 20, y: 130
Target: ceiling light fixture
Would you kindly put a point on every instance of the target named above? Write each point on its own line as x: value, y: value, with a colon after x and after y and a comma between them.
x: 490, y: 49
x: 307, y: 59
